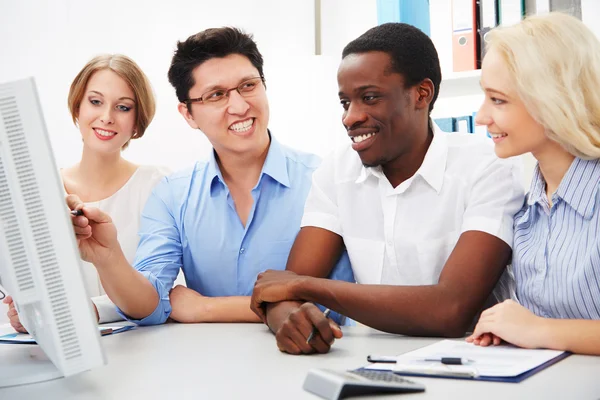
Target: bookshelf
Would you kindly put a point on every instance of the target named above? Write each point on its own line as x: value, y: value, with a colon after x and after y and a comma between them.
x: 458, y: 84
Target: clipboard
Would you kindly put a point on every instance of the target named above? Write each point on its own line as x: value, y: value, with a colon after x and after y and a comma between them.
x: 512, y: 379
x: 523, y: 359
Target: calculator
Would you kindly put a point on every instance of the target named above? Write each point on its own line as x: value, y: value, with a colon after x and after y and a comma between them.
x: 331, y: 385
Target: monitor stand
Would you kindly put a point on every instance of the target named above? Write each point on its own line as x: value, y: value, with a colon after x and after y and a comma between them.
x: 21, y: 364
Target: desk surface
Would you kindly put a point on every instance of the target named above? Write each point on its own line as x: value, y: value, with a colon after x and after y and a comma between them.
x: 241, y: 361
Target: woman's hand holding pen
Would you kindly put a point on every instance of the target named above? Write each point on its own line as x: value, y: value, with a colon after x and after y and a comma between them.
x: 95, y: 232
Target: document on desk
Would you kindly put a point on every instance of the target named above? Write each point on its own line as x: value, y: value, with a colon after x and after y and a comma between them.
x: 25, y: 338
x: 505, y: 363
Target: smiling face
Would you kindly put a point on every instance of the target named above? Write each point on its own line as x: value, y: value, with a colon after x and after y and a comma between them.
x: 513, y: 129
x: 237, y: 124
x: 382, y: 117
x: 107, y: 113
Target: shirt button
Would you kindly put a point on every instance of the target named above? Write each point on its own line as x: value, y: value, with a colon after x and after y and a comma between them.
x: 242, y: 250
x: 390, y: 243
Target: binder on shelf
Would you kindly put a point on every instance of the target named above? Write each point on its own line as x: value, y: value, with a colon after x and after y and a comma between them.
x: 464, y: 35
x: 478, y: 129
x: 536, y: 7
x: 413, y: 12
x: 445, y: 124
x: 510, y: 12
x: 488, y: 20
x: 463, y: 124
x: 571, y: 7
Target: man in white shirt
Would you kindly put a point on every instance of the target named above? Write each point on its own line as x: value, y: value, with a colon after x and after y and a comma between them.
x: 426, y: 216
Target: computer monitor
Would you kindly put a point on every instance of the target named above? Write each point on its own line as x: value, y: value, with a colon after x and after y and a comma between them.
x: 39, y: 259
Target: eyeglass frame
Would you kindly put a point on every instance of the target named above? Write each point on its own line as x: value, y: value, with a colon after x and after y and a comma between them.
x: 189, y: 102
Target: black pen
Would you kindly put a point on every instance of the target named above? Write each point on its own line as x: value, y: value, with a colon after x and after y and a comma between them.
x: 77, y: 213
x: 314, y: 331
x: 450, y: 360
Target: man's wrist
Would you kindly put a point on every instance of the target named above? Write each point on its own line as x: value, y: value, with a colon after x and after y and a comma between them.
x: 116, y: 258
x: 303, y: 288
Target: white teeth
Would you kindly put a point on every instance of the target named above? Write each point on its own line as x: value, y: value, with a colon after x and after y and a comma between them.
x: 104, y: 133
x: 358, y: 139
x: 498, y: 135
x: 242, y: 126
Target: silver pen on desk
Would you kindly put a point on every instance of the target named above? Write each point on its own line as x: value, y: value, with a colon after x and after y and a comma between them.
x: 314, y: 331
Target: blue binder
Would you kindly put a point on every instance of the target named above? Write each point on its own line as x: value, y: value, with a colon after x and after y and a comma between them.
x: 463, y: 124
x: 479, y: 129
x: 413, y: 12
x: 445, y: 124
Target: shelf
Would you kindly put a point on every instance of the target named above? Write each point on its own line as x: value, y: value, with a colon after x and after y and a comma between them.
x: 459, y: 84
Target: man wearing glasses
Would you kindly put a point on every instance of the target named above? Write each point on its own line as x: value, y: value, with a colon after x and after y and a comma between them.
x: 226, y: 219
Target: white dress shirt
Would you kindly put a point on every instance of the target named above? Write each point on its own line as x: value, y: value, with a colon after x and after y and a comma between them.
x: 125, y: 208
x: 404, y: 235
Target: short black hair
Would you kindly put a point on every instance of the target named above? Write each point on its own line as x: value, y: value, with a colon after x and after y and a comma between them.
x: 205, y: 45
x: 412, y: 52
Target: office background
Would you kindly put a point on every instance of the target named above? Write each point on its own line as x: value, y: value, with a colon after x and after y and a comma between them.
x: 52, y: 40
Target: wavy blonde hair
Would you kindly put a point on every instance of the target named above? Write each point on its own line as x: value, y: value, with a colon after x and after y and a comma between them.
x: 130, y: 72
x: 554, y: 61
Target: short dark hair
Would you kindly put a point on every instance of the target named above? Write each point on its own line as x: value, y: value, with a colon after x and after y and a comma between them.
x: 412, y: 52
x: 205, y: 45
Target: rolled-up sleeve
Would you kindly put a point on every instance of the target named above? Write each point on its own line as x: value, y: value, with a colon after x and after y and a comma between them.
x: 159, y: 253
x: 496, y: 195
x: 107, y: 311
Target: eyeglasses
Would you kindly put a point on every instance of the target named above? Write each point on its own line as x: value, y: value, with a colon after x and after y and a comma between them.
x: 220, y: 96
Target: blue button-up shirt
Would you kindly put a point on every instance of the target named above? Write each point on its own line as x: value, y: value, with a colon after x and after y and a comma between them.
x: 190, y: 223
x: 556, y: 252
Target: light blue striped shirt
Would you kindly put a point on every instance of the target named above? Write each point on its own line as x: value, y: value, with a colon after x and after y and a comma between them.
x: 190, y: 223
x: 556, y: 252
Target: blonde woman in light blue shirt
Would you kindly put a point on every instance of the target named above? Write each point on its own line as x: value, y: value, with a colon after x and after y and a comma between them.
x: 541, y: 80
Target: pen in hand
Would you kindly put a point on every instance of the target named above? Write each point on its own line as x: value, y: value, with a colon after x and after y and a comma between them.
x: 314, y: 331
x: 77, y: 213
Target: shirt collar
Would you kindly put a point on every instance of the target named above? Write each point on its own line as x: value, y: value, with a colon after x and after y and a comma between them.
x: 433, y: 167
x: 276, y: 163
x: 577, y: 188
x: 275, y: 166
x: 537, y: 189
x: 579, y: 185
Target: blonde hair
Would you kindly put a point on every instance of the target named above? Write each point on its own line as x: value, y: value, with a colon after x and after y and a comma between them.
x: 131, y: 73
x: 554, y: 61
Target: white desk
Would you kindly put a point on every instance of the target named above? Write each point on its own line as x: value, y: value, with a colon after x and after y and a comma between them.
x: 241, y: 361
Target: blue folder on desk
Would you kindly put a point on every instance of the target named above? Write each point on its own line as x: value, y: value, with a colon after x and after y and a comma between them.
x: 504, y: 363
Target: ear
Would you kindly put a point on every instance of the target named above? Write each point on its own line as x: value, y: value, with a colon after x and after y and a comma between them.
x: 425, y: 91
x: 183, y: 110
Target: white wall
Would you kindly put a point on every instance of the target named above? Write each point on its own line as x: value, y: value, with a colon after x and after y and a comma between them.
x: 590, y: 12
x: 52, y: 40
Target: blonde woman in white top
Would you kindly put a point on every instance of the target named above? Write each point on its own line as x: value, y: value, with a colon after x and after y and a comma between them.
x: 111, y: 101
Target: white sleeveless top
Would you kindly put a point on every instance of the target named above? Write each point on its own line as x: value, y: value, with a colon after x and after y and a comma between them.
x: 125, y: 208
